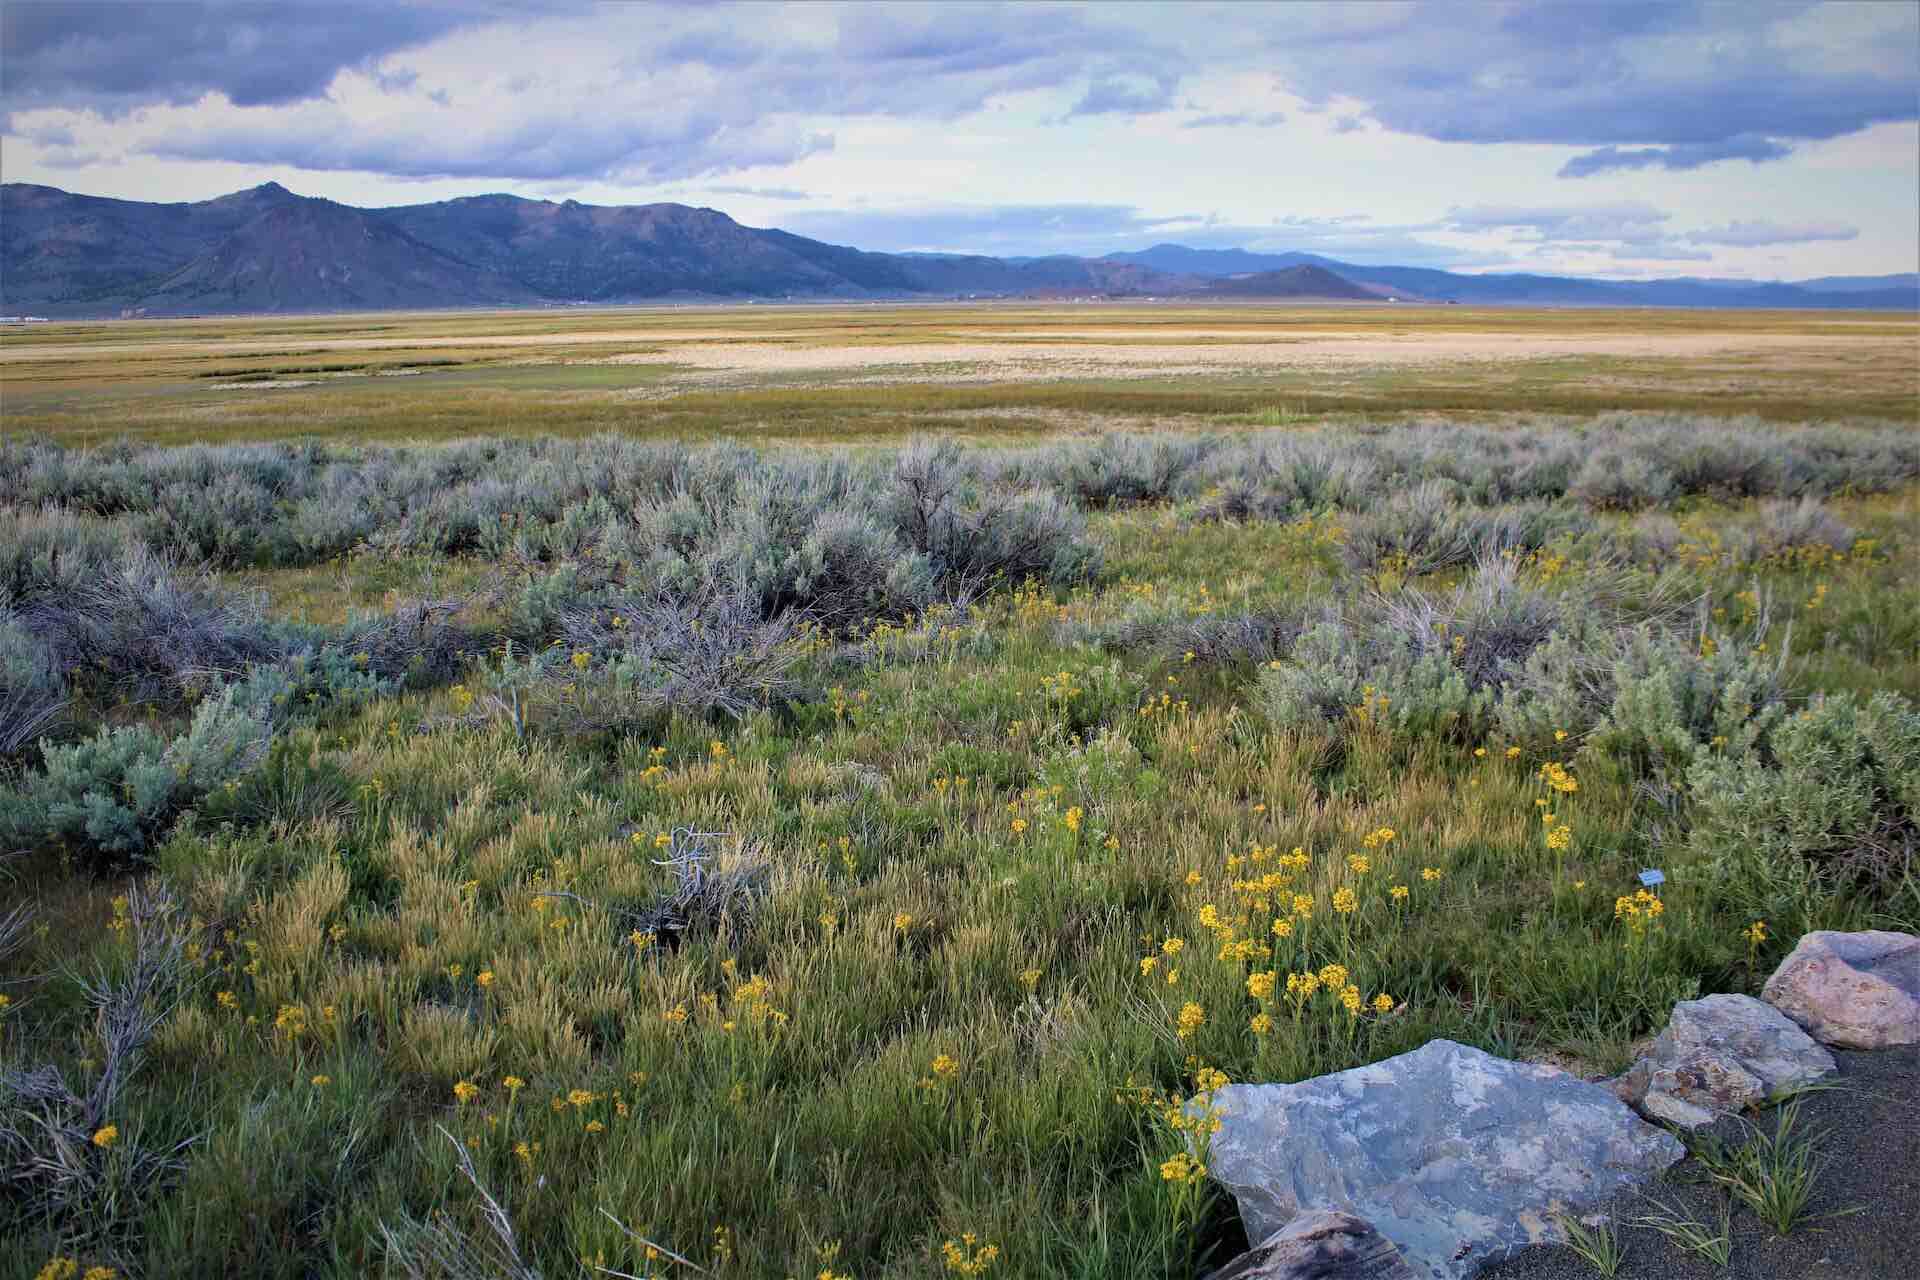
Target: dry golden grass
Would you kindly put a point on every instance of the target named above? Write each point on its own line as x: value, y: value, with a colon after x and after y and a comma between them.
x: 796, y: 374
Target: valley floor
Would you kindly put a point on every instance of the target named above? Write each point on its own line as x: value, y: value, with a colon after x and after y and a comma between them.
x: 581, y: 851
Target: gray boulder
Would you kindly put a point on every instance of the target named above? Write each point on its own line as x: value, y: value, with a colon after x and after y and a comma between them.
x: 1321, y: 1245
x: 1456, y: 1156
x: 1719, y: 1054
x: 1853, y: 990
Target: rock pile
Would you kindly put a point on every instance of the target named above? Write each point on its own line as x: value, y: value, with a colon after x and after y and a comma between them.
x: 1429, y: 1165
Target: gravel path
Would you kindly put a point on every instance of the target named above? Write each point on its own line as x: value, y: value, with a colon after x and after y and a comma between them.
x: 1869, y: 1143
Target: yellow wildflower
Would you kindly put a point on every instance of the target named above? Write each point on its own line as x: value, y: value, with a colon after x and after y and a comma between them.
x: 465, y: 1091
x: 106, y: 1136
x: 1192, y: 1017
x: 1182, y: 1168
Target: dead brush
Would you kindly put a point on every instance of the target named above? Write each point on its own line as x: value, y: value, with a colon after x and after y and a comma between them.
x: 436, y: 1248
x: 711, y: 654
x: 709, y: 894
x: 64, y: 1162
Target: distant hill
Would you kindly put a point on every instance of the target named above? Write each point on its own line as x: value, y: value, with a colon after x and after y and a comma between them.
x: 268, y: 249
x: 315, y: 255
x: 1908, y: 280
x: 1212, y: 263
x: 1288, y: 282
x: 1893, y: 292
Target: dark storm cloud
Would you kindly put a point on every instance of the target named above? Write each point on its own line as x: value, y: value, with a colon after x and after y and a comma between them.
x: 666, y: 94
x: 668, y: 91
x: 1685, y: 84
x: 113, y: 56
x: 552, y: 145
x: 1686, y: 155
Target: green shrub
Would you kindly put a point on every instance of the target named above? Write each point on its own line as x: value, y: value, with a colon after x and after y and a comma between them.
x: 1829, y: 798
x: 1338, y: 669
x: 110, y: 796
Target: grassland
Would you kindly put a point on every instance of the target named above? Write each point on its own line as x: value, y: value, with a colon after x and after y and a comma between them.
x: 1033, y: 805
x: 988, y: 372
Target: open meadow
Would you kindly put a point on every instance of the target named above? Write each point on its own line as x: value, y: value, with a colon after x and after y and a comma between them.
x: 817, y: 792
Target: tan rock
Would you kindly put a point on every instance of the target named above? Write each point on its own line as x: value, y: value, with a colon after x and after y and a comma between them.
x: 1853, y: 990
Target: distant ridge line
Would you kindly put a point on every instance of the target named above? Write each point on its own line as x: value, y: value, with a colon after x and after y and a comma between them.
x: 267, y: 249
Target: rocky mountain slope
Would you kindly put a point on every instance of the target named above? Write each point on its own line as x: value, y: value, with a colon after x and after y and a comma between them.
x: 268, y: 249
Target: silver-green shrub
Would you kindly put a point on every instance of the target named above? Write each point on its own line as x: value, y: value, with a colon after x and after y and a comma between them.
x: 110, y: 796
x: 1831, y: 795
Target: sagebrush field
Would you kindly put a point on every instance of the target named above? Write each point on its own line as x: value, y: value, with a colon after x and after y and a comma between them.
x: 572, y: 818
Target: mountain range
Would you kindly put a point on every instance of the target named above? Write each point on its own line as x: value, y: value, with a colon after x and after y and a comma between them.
x: 267, y: 249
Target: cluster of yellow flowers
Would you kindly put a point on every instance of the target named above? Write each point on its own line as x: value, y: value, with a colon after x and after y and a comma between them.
x: 64, y: 1268
x: 1556, y: 776
x: 967, y: 1256
x: 1639, y: 911
x: 1182, y: 1168
x: 1165, y: 706
x: 1192, y: 1017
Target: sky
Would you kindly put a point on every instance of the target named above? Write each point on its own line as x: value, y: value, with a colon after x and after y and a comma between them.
x: 1623, y: 139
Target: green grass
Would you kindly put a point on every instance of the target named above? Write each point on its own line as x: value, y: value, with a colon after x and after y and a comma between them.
x: 1008, y: 887
x: 1012, y: 900
x: 1775, y: 1174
